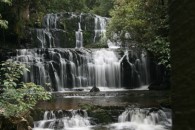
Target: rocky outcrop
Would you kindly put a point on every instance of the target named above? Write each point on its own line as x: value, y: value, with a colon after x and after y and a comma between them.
x: 95, y: 89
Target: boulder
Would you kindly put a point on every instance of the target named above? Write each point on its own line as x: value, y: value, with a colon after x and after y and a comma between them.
x: 95, y: 89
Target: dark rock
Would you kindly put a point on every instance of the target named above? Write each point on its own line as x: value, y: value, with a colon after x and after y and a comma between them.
x: 78, y: 89
x: 129, y: 74
x: 58, y: 124
x: 158, y: 86
x: 95, y: 89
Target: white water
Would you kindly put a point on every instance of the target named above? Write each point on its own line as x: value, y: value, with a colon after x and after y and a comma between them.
x: 143, y: 119
x: 100, y: 27
x: 131, y: 119
x: 79, y: 35
x: 64, y: 120
x: 107, y: 68
x: 72, y: 68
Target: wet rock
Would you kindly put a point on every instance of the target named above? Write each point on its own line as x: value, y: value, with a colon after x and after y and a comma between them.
x: 78, y: 89
x: 58, y: 124
x: 95, y: 89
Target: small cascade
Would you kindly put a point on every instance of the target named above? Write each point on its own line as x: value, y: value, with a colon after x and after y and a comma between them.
x: 144, y: 119
x: 45, y: 38
x: 73, y: 119
x: 100, y: 28
x: 50, y: 21
x: 79, y: 35
x: 137, y: 64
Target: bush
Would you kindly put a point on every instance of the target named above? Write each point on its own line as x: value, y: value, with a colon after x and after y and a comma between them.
x: 16, y: 97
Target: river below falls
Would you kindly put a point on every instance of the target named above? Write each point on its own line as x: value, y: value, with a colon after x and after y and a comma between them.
x: 131, y: 110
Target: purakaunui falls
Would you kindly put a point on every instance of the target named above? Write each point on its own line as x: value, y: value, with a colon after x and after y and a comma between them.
x: 59, y: 62
x: 58, y: 68
x: 131, y: 119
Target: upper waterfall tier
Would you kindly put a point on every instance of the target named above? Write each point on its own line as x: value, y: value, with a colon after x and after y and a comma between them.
x: 58, y: 68
x: 69, y: 30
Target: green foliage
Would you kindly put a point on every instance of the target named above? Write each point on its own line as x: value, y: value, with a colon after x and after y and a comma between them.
x: 147, y: 23
x: 16, y: 98
x: 10, y: 74
x: 7, y: 1
x: 4, y: 23
x: 100, y: 7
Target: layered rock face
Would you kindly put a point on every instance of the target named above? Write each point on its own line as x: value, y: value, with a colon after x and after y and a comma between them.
x: 69, y: 30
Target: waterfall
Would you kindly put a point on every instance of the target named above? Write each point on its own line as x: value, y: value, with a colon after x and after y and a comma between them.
x: 59, y: 30
x: 144, y: 119
x: 61, y: 119
x: 100, y: 28
x: 130, y: 119
x: 64, y: 69
x: 107, y: 68
x: 79, y: 35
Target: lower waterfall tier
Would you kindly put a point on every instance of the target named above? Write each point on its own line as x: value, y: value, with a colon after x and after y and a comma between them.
x: 58, y: 69
x: 131, y: 119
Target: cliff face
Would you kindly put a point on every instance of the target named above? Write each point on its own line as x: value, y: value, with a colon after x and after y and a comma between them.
x: 69, y: 30
x: 182, y: 36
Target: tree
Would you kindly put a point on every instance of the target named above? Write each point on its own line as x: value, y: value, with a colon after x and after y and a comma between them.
x: 4, y: 23
x: 147, y: 23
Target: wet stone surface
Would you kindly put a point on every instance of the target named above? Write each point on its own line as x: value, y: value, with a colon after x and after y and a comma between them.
x: 73, y: 100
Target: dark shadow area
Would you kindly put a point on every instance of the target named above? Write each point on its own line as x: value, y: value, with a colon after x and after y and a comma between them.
x: 182, y: 36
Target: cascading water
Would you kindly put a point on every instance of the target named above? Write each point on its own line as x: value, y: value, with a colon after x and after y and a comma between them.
x: 144, y: 119
x: 79, y: 35
x: 107, y: 68
x: 100, y: 27
x: 59, y: 30
x: 61, y: 69
x: 131, y: 119
x: 63, y: 120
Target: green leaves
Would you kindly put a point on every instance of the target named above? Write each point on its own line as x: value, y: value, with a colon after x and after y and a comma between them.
x: 6, y: 1
x: 4, y: 23
x: 147, y: 23
x: 18, y: 97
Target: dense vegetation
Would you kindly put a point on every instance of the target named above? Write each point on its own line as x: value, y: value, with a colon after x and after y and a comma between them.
x: 17, y: 98
x: 146, y: 22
